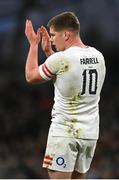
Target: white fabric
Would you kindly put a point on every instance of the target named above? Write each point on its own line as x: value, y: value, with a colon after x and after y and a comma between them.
x: 78, y: 78
x: 69, y: 154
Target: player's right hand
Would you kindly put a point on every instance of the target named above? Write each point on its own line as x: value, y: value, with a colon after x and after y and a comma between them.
x: 46, y: 43
x: 33, y: 38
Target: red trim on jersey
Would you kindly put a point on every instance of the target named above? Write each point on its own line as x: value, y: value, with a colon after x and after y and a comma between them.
x: 48, y: 160
x: 45, y: 72
x: 48, y: 163
x: 48, y: 157
x: 48, y: 70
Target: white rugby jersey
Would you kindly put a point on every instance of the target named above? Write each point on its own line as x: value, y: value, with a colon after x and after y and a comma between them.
x: 78, y: 75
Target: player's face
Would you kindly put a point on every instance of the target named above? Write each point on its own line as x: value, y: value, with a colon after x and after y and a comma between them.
x: 57, y: 39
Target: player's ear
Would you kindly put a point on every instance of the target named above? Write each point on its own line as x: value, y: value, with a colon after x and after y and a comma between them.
x: 67, y: 35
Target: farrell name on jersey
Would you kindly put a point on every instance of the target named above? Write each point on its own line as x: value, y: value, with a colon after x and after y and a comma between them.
x: 89, y: 61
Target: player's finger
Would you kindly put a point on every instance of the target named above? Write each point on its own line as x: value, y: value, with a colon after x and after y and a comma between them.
x: 30, y: 26
x: 26, y: 26
x: 44, y: 31
x: 39, y: 32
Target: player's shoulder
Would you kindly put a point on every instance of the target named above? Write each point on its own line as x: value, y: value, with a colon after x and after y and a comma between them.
x: 56, y: 55
x: 54, y: 59
x: 96, y: 51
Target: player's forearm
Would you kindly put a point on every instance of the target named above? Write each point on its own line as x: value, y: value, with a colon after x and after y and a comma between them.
x: 31, y: 63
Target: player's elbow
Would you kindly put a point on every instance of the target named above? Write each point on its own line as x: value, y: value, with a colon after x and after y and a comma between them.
x: 32, y: 76
x: 29, y: 78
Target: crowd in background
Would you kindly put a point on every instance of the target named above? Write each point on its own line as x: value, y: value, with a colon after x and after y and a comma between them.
x: 25, y: 109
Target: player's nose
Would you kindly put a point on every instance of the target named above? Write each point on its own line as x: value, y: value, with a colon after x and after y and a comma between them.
x: 51, y: 39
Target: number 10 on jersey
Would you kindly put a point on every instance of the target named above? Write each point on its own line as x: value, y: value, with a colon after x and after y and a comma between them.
x: 90, y: 77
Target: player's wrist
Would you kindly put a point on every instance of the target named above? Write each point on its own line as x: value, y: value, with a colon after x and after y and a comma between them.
x: 33, y: 45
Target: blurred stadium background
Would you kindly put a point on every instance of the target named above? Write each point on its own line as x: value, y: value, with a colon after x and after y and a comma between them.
x: 25, y: 109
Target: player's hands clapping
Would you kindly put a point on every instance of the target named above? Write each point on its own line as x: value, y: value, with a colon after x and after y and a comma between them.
x: 35, y: 37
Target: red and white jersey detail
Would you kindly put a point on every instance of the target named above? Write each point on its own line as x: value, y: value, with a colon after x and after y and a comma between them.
x: 45, y: 72
x: 79, y: 76
x: 47, y: 161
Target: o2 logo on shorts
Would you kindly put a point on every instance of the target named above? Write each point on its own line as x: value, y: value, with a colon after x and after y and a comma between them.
x: 60, y: 161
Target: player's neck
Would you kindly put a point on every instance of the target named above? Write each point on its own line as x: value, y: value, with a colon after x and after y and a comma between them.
x: 75, y: 42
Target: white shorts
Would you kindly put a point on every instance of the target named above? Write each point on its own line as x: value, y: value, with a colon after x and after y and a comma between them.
x: 68, y: 154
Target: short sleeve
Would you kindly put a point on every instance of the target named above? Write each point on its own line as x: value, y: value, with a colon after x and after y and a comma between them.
x: 51, y: 66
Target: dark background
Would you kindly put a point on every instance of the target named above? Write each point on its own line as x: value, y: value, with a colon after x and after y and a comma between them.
x: 25, y: 109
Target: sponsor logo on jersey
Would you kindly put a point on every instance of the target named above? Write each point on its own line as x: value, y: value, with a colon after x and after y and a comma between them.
x: 60, y: 161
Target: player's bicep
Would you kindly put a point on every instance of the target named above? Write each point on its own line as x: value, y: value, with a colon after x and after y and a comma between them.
x: 50, y: 68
